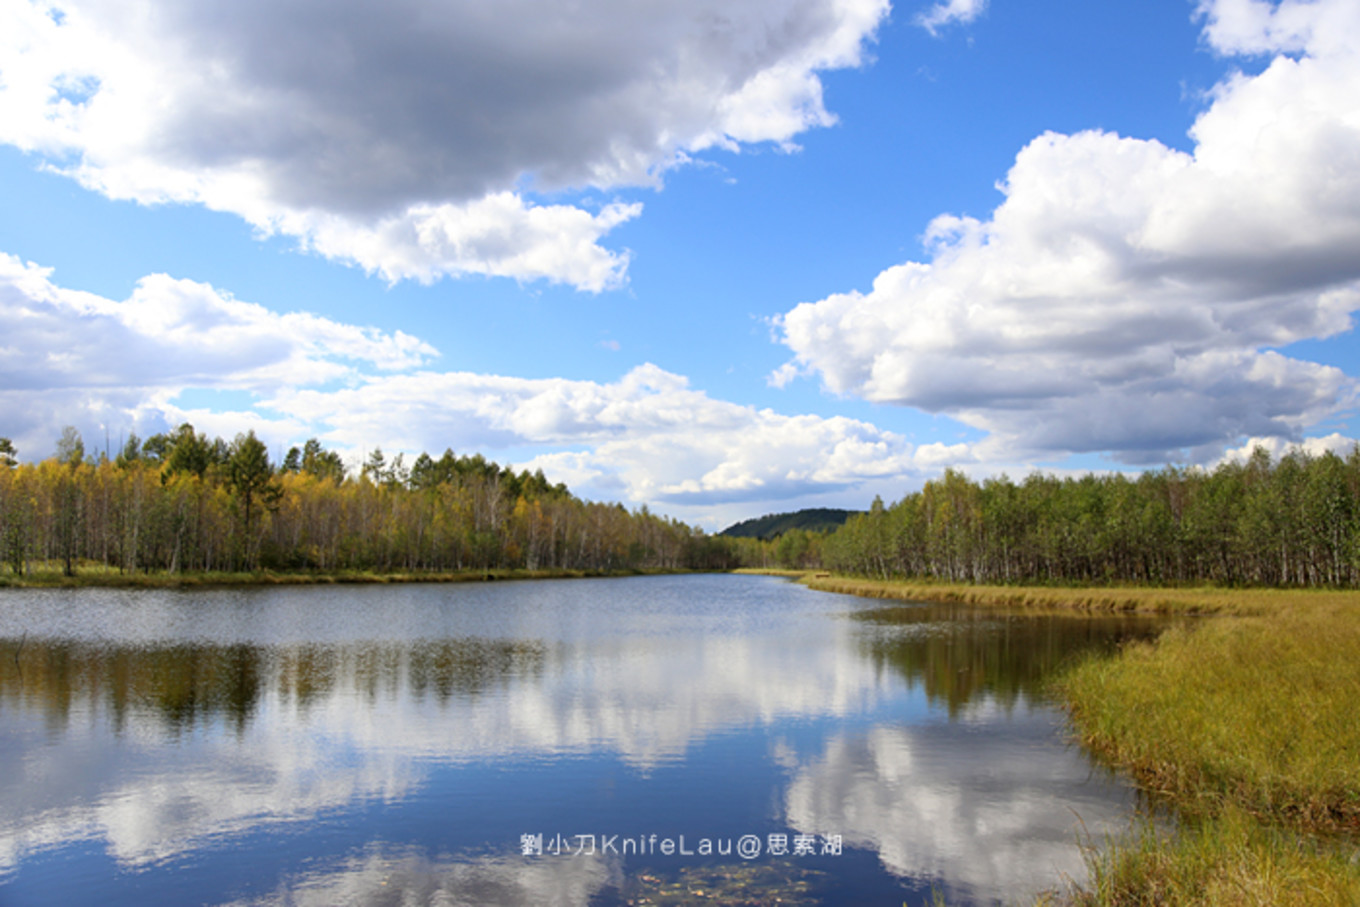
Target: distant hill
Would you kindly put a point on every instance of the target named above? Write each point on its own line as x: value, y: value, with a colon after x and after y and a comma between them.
x: 819, y: 519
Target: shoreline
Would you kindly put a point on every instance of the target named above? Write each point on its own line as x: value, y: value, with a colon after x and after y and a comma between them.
x: 108, y: 579
x: 1159, y: 600
x: 1244, y: 727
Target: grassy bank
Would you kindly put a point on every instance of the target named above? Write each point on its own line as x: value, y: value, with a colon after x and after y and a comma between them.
x: 1249, y: 726
x: 1251, y: 729
x: 772, y: 571
x: 51, y: 577
x: 1231, y: 860
x: 1262, y: 713
x: 1134, y: 599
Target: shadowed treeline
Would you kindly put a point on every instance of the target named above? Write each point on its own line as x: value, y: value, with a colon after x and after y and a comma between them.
x: 186, y: 685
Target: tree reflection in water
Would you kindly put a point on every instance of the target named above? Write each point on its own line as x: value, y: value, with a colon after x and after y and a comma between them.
x: 959, y: 654
x: 190, y: 684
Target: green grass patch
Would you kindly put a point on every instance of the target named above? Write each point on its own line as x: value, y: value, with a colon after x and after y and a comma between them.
x: 1259, y: 713
x: 1229, y: 860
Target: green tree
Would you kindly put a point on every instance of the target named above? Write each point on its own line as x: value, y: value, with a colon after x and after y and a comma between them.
x: 323, y: 464
x: 424, y: 473
x: 375, y: 467
x: 189, y: 452
x: 250, y: 476
x: 292, y: 461
x: 9, y: 457
x: 131, y: 452
x: 70, y: 454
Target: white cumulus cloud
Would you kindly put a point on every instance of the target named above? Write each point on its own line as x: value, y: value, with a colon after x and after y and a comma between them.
x: 413, y: 138
x: 74, y: 357
x: 1129, y: 297
x: 1334, y: 443
x: 647, y: 437
x: 947, y: 12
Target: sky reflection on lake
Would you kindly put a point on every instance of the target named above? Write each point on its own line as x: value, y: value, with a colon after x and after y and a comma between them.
x: 375, y: 744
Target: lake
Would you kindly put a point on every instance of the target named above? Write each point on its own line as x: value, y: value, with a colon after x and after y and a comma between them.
x: 713, y: 739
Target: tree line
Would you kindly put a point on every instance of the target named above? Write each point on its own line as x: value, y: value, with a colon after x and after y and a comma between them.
x: 1291, y: 521
x: 181, y: 501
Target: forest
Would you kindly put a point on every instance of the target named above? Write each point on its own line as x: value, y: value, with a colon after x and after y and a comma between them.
x: 183, y: 502
x: 770, y: 526
x: 1291, y: 521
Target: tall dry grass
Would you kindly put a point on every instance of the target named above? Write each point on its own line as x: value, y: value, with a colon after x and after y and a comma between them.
x: 1262, y: 713
x: 1230, y: 860
x: 1143, y: 599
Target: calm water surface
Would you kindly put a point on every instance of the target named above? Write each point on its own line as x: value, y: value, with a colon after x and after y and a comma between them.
x: 409, y: 744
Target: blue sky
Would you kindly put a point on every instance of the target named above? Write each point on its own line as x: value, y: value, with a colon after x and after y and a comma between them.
x: 720, y: 258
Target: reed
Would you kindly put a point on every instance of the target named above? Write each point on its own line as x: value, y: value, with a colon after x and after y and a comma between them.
x: 1139, y: 599
x: 1227, y: 861
x: 1260, y: 713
